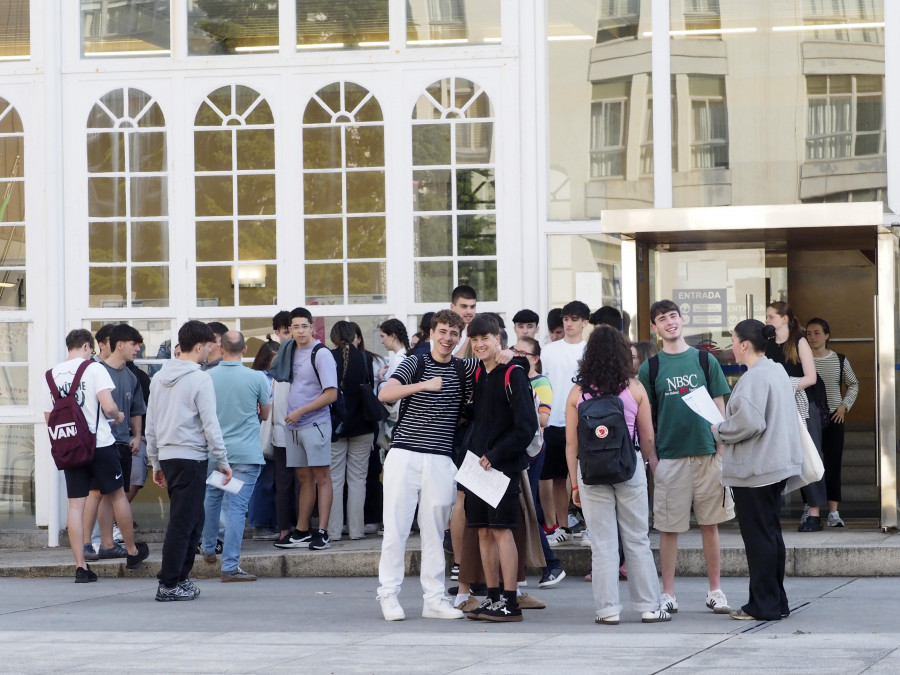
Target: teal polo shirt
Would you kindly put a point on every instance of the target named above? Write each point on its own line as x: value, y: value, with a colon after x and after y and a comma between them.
x: 238, y: 391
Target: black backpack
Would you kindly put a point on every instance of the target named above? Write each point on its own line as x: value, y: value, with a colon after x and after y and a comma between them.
x: 606, y: 451
x: 338, y: 409
x: 71, y: 442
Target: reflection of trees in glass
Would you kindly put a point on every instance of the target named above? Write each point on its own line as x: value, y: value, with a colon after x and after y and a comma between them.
x: 344, y: 196
x: 348, y: 22
x: 454, y: 189
x: 230, y: 24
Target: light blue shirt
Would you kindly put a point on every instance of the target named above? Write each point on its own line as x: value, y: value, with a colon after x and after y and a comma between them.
x: 238, y: 391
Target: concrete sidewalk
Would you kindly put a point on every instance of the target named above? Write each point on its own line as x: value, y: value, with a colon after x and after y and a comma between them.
x: 834, y: 552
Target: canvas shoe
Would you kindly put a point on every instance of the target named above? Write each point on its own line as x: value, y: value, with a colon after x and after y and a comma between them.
x: 586, y: 538
x: 608, y: 620
x: 530, y: 602
x: 176, y: 593
x: 84, y: 575
x: 716, y: 601
x: 319, y: 541
x: 559, y: 537
x: 237, y: 574
x: 391, y: 609
x: 656, y: 616
x: 552, y: 577
x: 500, y: 612
x: 668, y: 603
x: 115, y: 551
x: 90, y: 554
x: 741, y: 615
x: 190, y: 587
x: 133, y: 561
x: 834, y: 520
x: 475, y: 614
x: 440, y: 608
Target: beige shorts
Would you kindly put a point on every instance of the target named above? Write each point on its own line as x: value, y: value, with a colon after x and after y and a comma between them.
x: 680, y: 483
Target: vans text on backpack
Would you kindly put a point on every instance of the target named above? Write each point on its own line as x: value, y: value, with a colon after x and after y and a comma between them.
x: 71, y: 442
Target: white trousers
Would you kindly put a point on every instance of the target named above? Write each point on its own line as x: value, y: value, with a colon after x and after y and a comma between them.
x: 350, y: 459
x: 410, y: 479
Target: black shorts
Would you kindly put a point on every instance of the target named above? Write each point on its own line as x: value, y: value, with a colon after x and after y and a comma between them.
x: 104, y: 473
x: 125, y: 457
x: 481, y: 514
x: 555, y: 465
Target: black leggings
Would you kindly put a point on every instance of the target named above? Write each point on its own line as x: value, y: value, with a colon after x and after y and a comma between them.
x: 832, y: 455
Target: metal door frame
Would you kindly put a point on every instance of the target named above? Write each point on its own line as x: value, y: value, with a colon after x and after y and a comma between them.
x: 724, y: 225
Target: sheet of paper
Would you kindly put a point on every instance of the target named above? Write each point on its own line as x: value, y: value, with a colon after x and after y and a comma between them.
x: 490, y: 485
x: 234, y: 485
x: 700, y: 402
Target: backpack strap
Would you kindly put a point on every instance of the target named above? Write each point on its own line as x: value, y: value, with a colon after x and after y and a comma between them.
x: 704, y: 364
x: 841, y: 359
x: 312, y: 360
x: 653, y: 362
x: 506, y: 385
x: 54, y: 390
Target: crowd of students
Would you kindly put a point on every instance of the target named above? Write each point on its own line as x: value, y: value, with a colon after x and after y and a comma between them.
x: 298, y: 428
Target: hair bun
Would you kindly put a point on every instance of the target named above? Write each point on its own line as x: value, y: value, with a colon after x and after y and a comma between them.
x: 768, y: 332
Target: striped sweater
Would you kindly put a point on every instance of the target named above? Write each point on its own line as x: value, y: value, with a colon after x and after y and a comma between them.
x: 829, y: 369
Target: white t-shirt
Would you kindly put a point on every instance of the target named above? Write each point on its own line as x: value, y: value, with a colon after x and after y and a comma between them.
x: 94, y: 380
x: 560, y: 363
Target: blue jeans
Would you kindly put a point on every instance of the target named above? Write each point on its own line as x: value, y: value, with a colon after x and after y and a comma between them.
x: 234, y: 511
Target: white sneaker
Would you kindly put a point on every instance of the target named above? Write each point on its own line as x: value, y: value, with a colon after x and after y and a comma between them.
x: 716, y: 601
x: 119, y: 539
x: 559, y: 538
x: 656, y: 616
x: 834, y: 519
x: 668, y: 603
x: 440, y: 609
x: 586, y: 539
x: 391, y: 609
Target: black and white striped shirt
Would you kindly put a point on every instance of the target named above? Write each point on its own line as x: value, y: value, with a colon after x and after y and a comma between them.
x: 829, y: 369
x: 430, y: 417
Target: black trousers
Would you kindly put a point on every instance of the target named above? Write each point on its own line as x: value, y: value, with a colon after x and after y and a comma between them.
x: 758, y: 512
x: 814, y: 493
x: 832, y: 457
x: 186, y: 485
x: 286, y: 491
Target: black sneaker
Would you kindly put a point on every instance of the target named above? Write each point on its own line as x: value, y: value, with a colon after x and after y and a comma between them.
x: 133, y: 561
x: 500, y: 612
x: 189, y: 586
x: 811, y: 524
x: 319, y: 541
x: 89, y: 553
x: 84, y: 575
x: 476, y: 613
x: 177, y: 592
x: 115, y: 551
x: 295, y: 539
x: 551, y: 577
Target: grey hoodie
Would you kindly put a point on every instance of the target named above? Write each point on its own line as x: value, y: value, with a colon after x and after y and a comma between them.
x: 761, y: 431
x: 181, y: 415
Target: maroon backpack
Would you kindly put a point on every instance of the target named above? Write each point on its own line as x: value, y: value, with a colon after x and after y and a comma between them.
x: 71, y: 442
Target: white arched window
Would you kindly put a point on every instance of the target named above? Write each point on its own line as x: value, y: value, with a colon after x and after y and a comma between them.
x: 454, y: 207
x: 343, y: 197
x: 234, y: 199
x: 128, y: 208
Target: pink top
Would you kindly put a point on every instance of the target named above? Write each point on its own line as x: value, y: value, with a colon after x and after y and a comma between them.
x: 628, y: 403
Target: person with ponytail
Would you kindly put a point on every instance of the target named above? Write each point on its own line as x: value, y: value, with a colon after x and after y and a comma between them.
x: 395, y: 339
x: 761, y: 450
x: 791, y: 350
x: 350, y: 453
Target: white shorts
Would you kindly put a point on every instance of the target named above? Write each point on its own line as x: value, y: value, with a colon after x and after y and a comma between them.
x: 309, y: 446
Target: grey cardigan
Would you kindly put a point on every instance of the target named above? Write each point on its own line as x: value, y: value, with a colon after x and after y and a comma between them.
x: 761, y: 431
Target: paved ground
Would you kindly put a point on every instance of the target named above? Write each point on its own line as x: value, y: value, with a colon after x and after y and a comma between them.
x: 334, y: 625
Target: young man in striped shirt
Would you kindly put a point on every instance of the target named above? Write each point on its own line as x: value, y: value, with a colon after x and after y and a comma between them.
x: 419, y: 469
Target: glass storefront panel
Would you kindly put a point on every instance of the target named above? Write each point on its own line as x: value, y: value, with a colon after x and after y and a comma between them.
x: 443, y: 23
x: 12, y: 208
x: 342, y: 25
x: 15, y: 31
x: 125, y: 28
x: 17, y: 476
x: 585, y: 267
x: 804, y: 124
x: 228, y: 27
x: 601, y: 124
